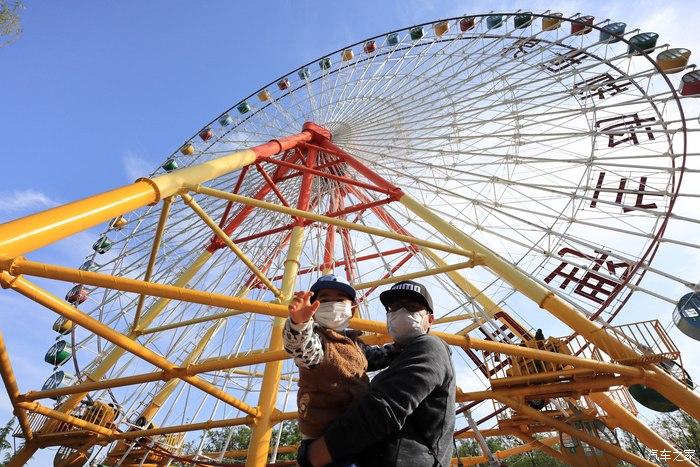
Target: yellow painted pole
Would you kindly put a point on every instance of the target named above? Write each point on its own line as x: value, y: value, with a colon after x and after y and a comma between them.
x: 162, y: 220
x: 153, y: 312
x: 188, y: 322
x: 294, y: 212
x: 543, y: 446
x: 89, y: 386
x: 62, y: 417
x: 283, y: 416
x: 37, y: 230
x: 489, y: 307
x: 632, y: 424
x: 192, y: 369
x: 208, y: 425
x: 415, y: 275
x: 666, y: 384
x: 22, y: 266
x: 64, y: 309
x: 114, y: 435
x: 31, y: 268
x: 586, y: 386
x: 230, y: 243
x: 41, y: 229
x: 8, y: 377
x: 259, y: 446
x: 613, y: 450
x: 506, y: 453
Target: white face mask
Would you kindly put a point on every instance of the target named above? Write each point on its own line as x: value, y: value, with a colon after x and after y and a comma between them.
x: 334, y: 315
x: 404, y: 326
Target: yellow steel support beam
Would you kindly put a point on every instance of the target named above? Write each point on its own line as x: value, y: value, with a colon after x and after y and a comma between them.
x: 330, y: 220
x: 110, y: 434
x: 164, y: 212
x: 208, y: 425
x: 415, y: 275
x: 544, y: 447
x: 489, y: 306
x: 259, y: 444
x: 540, y: 377
x: 62, y: 417
x: 613, y: 450
x: 632, y: 424
x: 8, y: 377
x: 283, y: 416
x: 113, y: 355
x: 162, y: 396
x: 586, y: 386
x: 666, y: 384
x: 189, y: 370
x: 189, y: 322
x: 90, y: 386
x: 230, y: 243
x: 22, y: 266
x: 506, y: 453
x: 64, y: 309
x: 243, y: 453
x: 37, y: 230
x: 41, y: 229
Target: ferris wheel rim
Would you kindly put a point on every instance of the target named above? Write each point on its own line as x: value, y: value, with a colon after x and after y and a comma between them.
x: 651, y: 249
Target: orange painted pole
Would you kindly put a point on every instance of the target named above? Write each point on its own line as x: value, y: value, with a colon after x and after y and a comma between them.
x: 61, y: 307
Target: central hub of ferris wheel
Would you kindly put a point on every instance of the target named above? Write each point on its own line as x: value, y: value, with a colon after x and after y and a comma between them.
x: 318, y: 132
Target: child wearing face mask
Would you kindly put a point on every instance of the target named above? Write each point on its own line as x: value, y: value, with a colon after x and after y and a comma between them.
x: 333, y: 362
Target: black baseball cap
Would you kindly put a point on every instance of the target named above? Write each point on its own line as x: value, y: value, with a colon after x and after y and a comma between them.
x: 407, y: 289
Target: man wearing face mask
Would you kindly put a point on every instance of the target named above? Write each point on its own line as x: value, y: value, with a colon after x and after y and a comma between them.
x: 332, y: 361
x: 408, y: 416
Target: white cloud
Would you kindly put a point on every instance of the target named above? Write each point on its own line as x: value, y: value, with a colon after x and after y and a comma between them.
x: 136, y: 166
x: 25, y: 200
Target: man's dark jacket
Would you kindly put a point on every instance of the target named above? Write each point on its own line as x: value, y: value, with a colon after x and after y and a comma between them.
x: 408, y: 417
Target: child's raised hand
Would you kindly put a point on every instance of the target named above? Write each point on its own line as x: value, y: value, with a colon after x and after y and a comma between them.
x: 301, y: 309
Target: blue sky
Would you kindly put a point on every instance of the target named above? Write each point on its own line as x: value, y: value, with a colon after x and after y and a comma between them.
x: 94, y: 95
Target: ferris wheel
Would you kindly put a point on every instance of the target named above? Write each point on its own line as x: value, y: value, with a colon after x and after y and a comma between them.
x: 505, y: 160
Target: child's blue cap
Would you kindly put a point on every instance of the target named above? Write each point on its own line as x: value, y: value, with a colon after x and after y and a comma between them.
x: 331, y: 282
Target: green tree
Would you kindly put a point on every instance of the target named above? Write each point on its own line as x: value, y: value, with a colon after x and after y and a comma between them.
x: 678, y: 428
x: 10, y: 25
x: 535, y: 458
x: 5, y: 445
x: 240, y: 438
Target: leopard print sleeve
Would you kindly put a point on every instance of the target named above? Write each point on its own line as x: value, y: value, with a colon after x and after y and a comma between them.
x: 302, y: 343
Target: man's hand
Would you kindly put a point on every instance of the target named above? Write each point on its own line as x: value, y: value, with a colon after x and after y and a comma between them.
x: 301, y: 309
x: 318, y: 453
